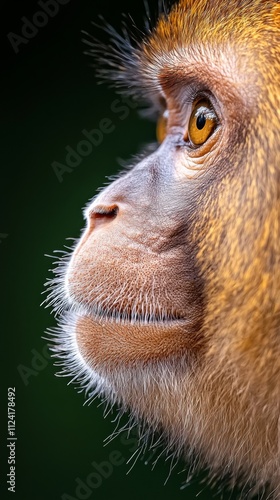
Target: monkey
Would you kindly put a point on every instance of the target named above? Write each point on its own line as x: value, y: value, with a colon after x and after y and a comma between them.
x: 169, y: 303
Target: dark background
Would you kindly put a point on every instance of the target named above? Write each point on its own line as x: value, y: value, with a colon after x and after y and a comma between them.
x: 49, y: 95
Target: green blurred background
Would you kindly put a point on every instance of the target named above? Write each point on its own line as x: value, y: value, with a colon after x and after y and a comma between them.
x: 49, y: 95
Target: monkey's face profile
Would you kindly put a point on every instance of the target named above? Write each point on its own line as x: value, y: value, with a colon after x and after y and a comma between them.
x: 170, y: 302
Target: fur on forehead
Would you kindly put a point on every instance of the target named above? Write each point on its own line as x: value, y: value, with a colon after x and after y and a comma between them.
x: 181, y: 35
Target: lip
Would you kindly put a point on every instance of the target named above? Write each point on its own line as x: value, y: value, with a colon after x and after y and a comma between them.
x: 131, y: 317
x: 108, y: 341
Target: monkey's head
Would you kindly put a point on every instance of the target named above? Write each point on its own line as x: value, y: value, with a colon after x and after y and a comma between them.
x: 170, y: 301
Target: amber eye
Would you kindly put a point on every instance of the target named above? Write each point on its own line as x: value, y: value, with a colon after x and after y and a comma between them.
x: 161, y: 130
x: 202, y: 124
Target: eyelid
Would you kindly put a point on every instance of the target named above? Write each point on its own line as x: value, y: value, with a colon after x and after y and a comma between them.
x: 207, y: 100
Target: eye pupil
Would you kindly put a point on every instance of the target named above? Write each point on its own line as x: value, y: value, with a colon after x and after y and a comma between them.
x: 200, y: 121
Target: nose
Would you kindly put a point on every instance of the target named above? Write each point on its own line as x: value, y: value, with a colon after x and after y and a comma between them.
x: 100, y: 215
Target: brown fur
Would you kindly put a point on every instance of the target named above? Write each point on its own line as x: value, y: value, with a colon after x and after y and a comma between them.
x: 176, y: 289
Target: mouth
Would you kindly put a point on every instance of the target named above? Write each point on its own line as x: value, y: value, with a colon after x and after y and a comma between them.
x: 127, y: 315
x: 116, y: 337
x: 130, y: 316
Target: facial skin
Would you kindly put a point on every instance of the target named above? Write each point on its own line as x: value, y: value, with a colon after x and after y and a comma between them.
x: 170, y: 302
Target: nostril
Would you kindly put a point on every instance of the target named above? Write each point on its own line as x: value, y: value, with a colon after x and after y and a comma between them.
x: 102, y: 214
